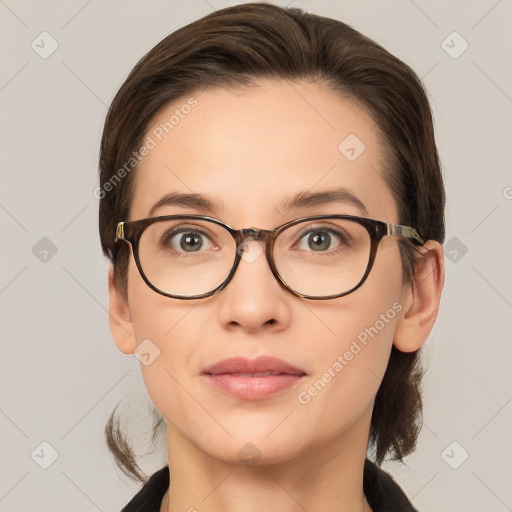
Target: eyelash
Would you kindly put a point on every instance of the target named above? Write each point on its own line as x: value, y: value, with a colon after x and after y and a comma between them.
x: 184, y: 229
x: 168, y: 235
x: 338, y: 233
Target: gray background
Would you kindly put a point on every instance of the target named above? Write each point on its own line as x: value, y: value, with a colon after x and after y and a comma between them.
x: 61, y: 373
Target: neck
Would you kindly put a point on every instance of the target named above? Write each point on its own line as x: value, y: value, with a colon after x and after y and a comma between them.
x: 327, y: 477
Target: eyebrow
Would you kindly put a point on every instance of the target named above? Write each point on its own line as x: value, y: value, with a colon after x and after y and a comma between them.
x: 303, y: 199
x: 195, y: 201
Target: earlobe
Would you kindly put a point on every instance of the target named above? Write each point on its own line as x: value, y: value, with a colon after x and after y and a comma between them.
x: 421, y: 299
x: 120, y: 321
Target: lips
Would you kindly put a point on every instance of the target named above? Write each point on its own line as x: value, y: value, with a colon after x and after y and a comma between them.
x: 263, y: 366
x: 253, y: 380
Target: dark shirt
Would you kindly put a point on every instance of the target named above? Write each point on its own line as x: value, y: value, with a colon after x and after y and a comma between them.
x: 381, y: 491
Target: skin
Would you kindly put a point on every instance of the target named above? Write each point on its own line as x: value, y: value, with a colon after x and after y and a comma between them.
x: 252, y: 149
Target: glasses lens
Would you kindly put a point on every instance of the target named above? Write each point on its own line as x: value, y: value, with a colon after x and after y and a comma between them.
x: 323, y: 257
x: 186, y: 256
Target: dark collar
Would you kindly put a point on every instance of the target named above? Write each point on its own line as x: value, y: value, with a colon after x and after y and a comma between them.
x: 381, y: 491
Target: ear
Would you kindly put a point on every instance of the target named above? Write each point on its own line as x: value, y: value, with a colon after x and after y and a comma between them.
x: 120, y: 320
x: 421, y: 299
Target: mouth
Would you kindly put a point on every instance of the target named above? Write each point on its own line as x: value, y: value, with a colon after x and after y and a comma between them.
x: 253, y: 379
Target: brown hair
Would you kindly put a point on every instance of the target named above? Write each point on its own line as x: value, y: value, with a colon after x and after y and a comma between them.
x: 235, y: 47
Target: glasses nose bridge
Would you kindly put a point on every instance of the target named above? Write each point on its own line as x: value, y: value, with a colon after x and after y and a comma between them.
x: 256, y: 234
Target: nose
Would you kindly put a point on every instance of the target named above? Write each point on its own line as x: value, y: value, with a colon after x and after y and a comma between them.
x: 253, y: 299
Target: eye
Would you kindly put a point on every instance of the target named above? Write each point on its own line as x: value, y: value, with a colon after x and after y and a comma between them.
x: 322, y: 239
x: 186, y: 240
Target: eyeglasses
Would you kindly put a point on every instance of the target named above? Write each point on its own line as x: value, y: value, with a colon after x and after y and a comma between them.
x: 195, y: 256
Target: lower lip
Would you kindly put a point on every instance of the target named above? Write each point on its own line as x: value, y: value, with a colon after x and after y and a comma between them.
x: 253, y: 388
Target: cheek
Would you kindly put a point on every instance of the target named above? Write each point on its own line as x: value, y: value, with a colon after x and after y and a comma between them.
x: 351, y: 361
x: 165, y: 341
x: 349, y: 365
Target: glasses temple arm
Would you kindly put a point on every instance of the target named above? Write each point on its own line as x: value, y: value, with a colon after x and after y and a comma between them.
x: 119, y: 232
x: 406, y: 231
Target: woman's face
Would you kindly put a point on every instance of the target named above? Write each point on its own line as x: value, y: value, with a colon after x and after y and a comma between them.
x: 251, y: 151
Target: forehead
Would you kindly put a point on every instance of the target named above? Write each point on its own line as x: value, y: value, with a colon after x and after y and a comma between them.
x: 253, y: 148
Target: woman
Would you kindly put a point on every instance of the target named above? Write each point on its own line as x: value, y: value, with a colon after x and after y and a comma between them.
x: 251, y: 165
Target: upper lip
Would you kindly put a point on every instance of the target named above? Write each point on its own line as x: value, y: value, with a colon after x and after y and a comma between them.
x: 261, y: 364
